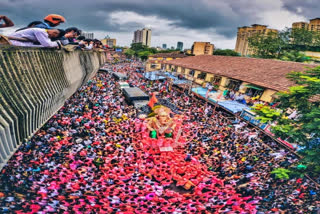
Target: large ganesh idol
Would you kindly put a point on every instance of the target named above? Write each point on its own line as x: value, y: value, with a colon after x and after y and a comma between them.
x: 161, y: 125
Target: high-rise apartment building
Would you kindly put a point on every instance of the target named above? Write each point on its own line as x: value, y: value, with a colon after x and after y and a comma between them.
x: 242, y: 44
x: 314, y: 24
x: 142, y: 36
x: 202, y: 48
x: 300, y: 25
x: 110, y: 42
x: 88, y: 35
x: 164, y: 46
x: 180, y: 46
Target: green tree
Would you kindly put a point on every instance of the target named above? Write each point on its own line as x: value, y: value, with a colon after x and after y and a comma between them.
x: 301, y: 37
x: 144, y: 54
x: 270, y: 45
x: 143, y: 51
x: 294, y: 56
x: 281, y: 173
x: 129, y: 53
x: 138, y: 47
x: 303, y: 129
x: 225, y: 52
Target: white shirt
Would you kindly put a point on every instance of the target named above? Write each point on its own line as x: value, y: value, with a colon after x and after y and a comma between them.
x: 34, y: 34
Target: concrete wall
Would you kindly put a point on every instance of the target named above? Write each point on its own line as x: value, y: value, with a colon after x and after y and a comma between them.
x: 312, y: 54
x: 34, y: 84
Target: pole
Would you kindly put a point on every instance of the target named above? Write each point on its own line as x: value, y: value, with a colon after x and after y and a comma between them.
x: 215, y: 106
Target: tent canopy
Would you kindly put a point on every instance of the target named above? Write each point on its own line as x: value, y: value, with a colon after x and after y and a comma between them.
x: 254, y: 87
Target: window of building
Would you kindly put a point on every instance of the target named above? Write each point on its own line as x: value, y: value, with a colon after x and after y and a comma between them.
x: 216, y: 80
x: 191, y: 72
x: 234, y: 84
x: 254, y: 91
x: 153, y: 65
x: 202, y: 76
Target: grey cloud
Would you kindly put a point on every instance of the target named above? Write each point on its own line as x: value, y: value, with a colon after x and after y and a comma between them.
x: 222, y: 16
x: 307, y: 8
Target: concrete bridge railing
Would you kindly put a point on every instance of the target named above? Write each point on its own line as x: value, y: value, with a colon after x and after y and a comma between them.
x: 34, y: 84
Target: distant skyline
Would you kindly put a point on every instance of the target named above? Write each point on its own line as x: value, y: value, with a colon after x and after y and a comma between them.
x: 171, y: 21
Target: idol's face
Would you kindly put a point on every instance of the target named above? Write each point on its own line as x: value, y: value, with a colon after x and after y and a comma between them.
x: 163, y: 118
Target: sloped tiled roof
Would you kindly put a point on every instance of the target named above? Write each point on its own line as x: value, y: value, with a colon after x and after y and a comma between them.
x: 171, y: 55
x: 261, y: 72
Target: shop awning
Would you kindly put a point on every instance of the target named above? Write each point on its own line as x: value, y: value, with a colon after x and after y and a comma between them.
x: 254, y: 87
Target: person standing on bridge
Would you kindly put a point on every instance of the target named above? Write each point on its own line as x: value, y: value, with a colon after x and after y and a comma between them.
x: 7, y: 22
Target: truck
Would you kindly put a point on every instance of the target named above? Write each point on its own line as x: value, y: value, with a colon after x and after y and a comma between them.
x: 119, y: 76
x: 123, y: 85
x: 135, y: 96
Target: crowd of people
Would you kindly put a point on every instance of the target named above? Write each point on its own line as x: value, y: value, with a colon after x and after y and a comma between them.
x: 44, y: 34
x: 92, y: 157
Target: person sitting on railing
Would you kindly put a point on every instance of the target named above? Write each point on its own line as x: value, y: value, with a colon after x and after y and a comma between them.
x: 7, y: 22
x: 36, y: 37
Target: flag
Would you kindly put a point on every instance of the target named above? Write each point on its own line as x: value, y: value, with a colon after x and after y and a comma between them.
x: 153, y: 100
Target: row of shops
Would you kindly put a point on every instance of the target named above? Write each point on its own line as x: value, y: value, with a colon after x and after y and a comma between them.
x: 240, y: 109
x: 257, y: 80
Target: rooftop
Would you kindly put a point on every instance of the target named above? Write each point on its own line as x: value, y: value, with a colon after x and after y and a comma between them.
x: 318, y: 18
x: 172, y: 55
x: 300, y: 22
x: 261, y: 72
x: 253, y: 25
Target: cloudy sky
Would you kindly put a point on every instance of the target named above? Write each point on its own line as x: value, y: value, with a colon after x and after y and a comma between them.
x: 171, y: 21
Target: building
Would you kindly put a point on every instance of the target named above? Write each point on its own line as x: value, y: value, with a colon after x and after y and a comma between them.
x: 110, y: 42
x: 300, y: 25
x: 142, y: 36
x: 180, y: 46
x: 242, y: 44
x: 154, y: 61
x: 164, y: 46
x: 87, y: 35
x: 187, y: 51
x: 202, y: 48
x: 262, y: 77
x: 314, y: 24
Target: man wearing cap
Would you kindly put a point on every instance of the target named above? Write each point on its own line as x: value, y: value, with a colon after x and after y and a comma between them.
x: 50, y: 21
